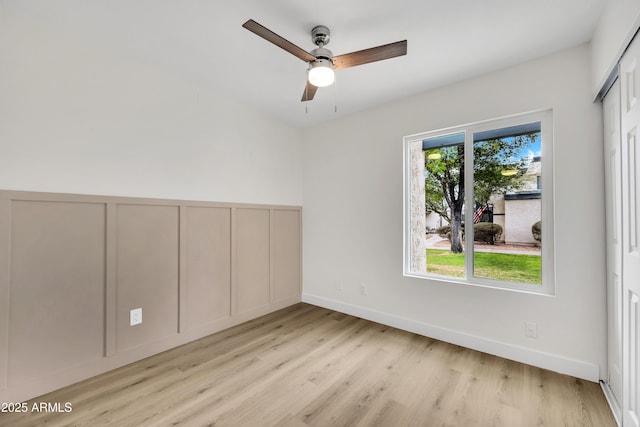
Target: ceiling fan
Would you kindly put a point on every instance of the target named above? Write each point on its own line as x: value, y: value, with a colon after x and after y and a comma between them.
x: 321, y: 61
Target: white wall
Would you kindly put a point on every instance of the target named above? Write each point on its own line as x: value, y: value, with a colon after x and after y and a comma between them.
x: 77, y: 119
x: 619, y: 22
x: 353, y: 219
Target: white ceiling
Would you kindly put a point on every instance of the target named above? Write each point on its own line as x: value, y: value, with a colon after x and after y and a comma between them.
x: 203, y: 41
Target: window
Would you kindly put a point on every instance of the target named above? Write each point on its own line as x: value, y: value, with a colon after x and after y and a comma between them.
x: 478, y: 204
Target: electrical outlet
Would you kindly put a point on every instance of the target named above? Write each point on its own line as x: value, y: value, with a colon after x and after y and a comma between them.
x: 135, y: 316
x: 338, y: 285
x: 531, y: 329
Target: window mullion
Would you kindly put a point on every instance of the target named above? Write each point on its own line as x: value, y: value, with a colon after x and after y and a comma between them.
x: 468, y: 205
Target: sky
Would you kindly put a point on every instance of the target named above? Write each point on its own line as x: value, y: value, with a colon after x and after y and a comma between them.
x: 533, y: 150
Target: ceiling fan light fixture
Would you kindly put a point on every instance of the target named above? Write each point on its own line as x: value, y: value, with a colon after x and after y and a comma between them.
x: 321, y: 72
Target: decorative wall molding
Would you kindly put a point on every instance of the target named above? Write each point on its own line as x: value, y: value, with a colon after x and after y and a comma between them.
x: 73, y: 266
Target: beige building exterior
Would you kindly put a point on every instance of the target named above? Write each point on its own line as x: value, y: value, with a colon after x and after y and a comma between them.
x: 521, y: 212
x: 522, y: 208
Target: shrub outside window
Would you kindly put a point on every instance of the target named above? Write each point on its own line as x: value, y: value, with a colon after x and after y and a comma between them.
x: 478, y: 203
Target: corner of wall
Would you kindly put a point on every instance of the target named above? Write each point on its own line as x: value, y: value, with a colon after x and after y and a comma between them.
x: 577, y: 368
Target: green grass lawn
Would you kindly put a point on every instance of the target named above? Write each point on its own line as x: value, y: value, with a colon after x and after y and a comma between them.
x: 491, y: 265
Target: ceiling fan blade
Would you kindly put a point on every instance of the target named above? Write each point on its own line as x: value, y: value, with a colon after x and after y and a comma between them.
x: 272, y: 37
x: 373, y: 54
x: 309, y: 92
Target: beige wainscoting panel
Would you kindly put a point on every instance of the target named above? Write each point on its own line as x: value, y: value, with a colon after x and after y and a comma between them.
x: 73, y: 266
x: 56, y: 287
x: 286, y: 253
x: 147, y: 273
x: 208, y: 265
x: 252, y: 252
x: 5, y: 250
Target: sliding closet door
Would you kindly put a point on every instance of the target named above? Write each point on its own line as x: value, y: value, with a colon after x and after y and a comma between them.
x: 630, y: 154
x: 612, y: 167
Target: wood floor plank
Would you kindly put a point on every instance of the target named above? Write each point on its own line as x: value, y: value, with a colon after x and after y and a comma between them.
x: 308, y: 366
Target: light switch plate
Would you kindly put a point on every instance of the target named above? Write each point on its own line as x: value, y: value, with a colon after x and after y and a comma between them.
x: 135, y: 316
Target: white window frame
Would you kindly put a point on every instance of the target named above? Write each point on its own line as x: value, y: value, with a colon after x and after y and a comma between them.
x: 545, y: 117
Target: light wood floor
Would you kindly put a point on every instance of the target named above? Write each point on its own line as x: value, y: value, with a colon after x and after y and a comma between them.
x: 307, y: 366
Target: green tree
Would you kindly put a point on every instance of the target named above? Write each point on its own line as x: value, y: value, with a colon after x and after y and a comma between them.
x: 444, y: 188
x: 445, y: 183
x: 492, y: 158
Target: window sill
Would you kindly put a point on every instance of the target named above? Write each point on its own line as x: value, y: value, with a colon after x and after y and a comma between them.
x: 478, y: 282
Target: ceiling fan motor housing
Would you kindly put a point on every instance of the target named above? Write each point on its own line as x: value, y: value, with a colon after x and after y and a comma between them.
x: 320, y: 35
x: 322, y: 53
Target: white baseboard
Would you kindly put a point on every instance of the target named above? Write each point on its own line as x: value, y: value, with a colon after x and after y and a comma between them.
x: 552, y: 362
x: 613, y: 403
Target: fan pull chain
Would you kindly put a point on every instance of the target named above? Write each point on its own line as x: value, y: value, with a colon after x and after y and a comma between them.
x: 335, y: 95
x: 306, y: 94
